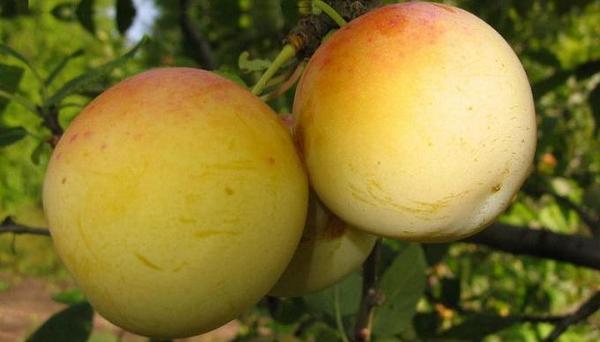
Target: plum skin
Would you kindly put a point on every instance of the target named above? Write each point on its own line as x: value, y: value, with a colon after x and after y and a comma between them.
x: 176, y: 199
x: 416, y: 121
x: 329, y: 251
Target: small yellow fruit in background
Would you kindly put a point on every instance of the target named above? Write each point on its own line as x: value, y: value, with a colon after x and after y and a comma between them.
x: 176, y: 199
x: 328, y: 252
x: 416, y: 121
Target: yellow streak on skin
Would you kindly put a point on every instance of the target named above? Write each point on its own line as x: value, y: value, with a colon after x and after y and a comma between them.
x: 147, y: 262
x: 209, y: 233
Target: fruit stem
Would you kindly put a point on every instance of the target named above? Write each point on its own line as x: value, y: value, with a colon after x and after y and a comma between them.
x: 288, y: 52
x: 332, y: 13
x: 285, y: 85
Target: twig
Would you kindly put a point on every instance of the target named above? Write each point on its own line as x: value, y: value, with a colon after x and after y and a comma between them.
x: 371, y: 296
x: 50, y: 117
x: 586, y: 310
x: 8, y: 226
x: 589, y: 218
x: 286, y: 85
x: 330, y: 11
x: 306, y: 36
x: 592, y: 222
x: 287, y: 52
x: 574, y: 249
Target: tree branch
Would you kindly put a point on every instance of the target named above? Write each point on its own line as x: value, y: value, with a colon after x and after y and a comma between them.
x: 586, y: 310
x: 307, y: 35
x: 200, y: 50
x: 8, y: 226
x: 574, y: 249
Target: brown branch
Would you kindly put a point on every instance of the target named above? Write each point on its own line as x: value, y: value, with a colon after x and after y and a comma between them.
x: 8, y: 226
x: 200, y: 50
x: 574, y: 249
x: 307, y: 35
x: 371, y: 296
x: 586, y: 310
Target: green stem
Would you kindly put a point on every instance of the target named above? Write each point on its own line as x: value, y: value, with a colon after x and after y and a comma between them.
x: 323, y: 6
x: 288, y: 52
x: 338, y: 315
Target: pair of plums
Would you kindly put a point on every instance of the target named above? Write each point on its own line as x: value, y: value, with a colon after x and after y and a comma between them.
x: 177, y: 199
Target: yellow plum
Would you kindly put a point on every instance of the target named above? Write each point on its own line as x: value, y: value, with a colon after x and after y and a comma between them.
x: 416, y: 121
x: 176, y: 199
x: 328, y: 251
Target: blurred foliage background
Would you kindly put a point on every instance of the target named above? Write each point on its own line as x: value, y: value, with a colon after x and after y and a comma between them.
x: 447, y: 292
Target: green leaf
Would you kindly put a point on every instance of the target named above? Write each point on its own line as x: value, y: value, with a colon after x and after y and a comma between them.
x: 402, y: 284
x: 435, y: 252
x: 426, y: 324
x: 587, y: 69
x: 544, y: 56
x: 7, y: 50
x: 476, y: 327
x: 321, y: 332
x: 73, y: 324
x: 57, y: 70
x: 125, y: 15
x: 10, y: 135
x: 64, y: 11
x: 249, y: 65
x: 20, y: 100
x: 10, y: 77
x: 288, y: 310
x: 13, y: 8
x: 85, y: 15
x: 81, y: 81
x: 349, y: 293
x: 594, y: 99
x: 232, y: 76
x: 40, y: 151
x: 591, y: 197
x: 71, y: 296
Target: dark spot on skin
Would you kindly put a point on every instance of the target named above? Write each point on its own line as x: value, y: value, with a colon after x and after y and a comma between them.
x: 73, y: 137
x: 496, y: 187
x: 271, y: 160
x: 87, y: 134
x: 64, y: 180
x: 103, y: 147
x: 229, y: 191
